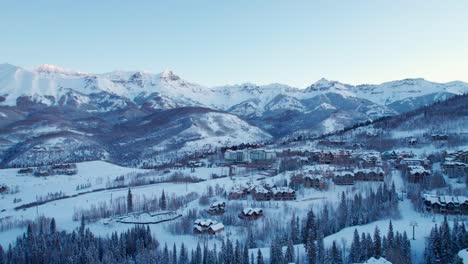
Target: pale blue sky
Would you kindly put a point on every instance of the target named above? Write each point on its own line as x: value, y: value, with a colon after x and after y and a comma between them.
x: 226, y: 42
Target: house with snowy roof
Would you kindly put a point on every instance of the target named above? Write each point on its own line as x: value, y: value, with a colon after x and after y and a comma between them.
x: 251, y: 213
x: 417, y: 174
x: 343, y: 178
x: 373, y: 260
x: 283, y: 193
x: 217, y: 208
x: 369, y: 174
x: 445, y: 204
x: 207, y: 226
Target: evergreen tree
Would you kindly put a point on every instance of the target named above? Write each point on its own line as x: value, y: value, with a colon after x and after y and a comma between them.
x: 355, y: 250
x: 342, y: 212
x: 289, y: 254
x: 309, y: 230
x: 174, y: 254
x: 183, y: 257
x: 259, y: 257
x: 237, y: 253
x: 53, y: 226
x: 198, y: 254
x: 165, y: 257
x: 163, y: 202
x: 335, y: 254
x: 311, y: 251
x: 250, y: 238
x: 2, y: 255
x: 377, y: 243
x: 245, y: 255
x: 129, y: 201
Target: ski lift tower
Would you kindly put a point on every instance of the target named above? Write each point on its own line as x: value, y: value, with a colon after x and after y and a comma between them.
x: 414, y: 224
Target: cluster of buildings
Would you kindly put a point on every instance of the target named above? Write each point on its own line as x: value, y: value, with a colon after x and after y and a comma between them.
x: 309, y: 180
x: 262, y: 192
x: 55, y: 169
x: 207, y: 226
x: 445, y: 204
x: 249, y: 156
x: 347, y: 177
x: 456, y: 164
x: 416, y: 170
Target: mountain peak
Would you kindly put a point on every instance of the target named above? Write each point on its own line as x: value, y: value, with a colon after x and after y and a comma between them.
x: 169, y: 75
x: 49, y: 68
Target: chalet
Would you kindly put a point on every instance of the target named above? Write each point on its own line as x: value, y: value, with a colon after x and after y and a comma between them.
x: 64, y: 169
x: 412, y: 141
x: 42, y: 172
x: 297, y: 179
x: 251, y: 213
x: 25, y: 171
x: 404, y: 163
x: 455, y: 169
x: 342, y: 157
x: 326, y: 157
x: 313, y: 181
x: 260, y: 193
x: 446, y: 204
x: 439, y: 137
x: 417, y: 174
x: 207, y: 226
x: 343, y: 178
x: 217, y: 208
x: 195, y: 164
x: 216, y: 228
x: 432, y: 203
x: 39, y: 148
x: 283, y: 193
x: 373, y: 260
x: 370, y: 159
x: 369, y: 174
x: 389, y: 155
x: 237, y: 192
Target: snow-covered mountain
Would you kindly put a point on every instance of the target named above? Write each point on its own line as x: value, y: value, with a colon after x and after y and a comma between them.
x: 83, y: 110
x: 52, y: 85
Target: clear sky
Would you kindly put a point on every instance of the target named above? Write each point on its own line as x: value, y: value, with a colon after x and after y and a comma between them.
x: 226, y: 42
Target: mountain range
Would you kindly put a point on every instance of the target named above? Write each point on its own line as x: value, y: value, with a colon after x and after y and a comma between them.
x: 49, y: 113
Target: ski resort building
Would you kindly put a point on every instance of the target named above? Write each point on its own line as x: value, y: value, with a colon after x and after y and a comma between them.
x: 283, y: 193
x: 369, y: 174
x: 207, y: 226
x: 343, y: 178
x: 251, y: 213
x: 445, y: 204
x: 249, y: 156
x: 417, y: 174
x: 217, y: 208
